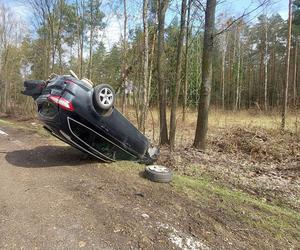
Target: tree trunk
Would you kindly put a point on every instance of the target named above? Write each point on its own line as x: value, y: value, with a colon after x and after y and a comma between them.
x: 186, y: 81
x: 6, y: 97
x: 91, y: 55
x: 60, y: 60
x: 82, y: 36
x: 163, y: 4
x: 237, y: 94
x: 223, y: 75
x: 178, y: 76
x: 91, y: 41
x: 57, y: 42
x: 124, y: 63
x: 229, y: 77
x: 51, y: 24
x: 79, y: 40
x: 46, y: 55
x: 78, y: 53
x: 249, y: 84
x: 151, y: 66
x: 266, y: 66
x: 274, y: 68
x: 295, y: 74
x: 205, y: 90
x: 81, y: 53
x: 261, y: 75
x: 145, y: 95
x: 286, y: 85
x: 242, y: 79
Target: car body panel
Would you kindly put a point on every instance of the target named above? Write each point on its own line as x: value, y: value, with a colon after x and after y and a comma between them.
x: 108, y: 137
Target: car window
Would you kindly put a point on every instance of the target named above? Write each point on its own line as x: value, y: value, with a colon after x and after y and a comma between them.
x: 99, y: 143
x: 108, y: 149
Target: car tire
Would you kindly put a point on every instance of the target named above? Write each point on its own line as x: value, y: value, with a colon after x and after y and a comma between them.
x: 104, y: 97
x: 158, y: 173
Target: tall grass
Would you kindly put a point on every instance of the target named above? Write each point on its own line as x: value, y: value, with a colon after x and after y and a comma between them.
x: 219, y: 119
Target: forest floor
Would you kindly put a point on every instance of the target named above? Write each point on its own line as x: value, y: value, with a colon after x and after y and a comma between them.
x: 243, y: 192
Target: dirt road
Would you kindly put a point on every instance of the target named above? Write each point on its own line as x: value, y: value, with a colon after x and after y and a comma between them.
x: 53, y: 197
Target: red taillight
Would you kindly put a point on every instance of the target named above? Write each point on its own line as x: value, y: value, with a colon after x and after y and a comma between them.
x: 54, y: 98
x: 61, y: 102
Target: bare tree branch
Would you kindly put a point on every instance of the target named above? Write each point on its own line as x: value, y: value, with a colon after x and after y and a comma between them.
x: 241, y: 17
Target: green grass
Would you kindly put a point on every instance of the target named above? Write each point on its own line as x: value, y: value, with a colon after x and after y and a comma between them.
x: 25, y: 127
x: 5, y: 122
x: 249, y: 211
x: 280, y: 221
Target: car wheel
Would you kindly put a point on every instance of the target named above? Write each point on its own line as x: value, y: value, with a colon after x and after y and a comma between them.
x: 158, y: 173
x: 104, y: 96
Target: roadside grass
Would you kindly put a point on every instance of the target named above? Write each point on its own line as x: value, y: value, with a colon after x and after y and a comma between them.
x: 25, y: 126
x: 280, y: 221
x: 239, y: 208
x: 218, y: 120
x: 5, y: 122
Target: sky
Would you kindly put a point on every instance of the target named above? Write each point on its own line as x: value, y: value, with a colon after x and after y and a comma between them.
x: 237, y: 7
x: 114, y: 11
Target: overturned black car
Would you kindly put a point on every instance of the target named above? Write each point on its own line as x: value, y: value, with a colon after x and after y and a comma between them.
x: 85, y: 117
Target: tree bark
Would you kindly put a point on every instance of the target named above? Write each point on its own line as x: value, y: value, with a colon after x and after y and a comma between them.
x: 81, y: 53
x: 145, y: 95
x: 178, y: 76
x: 295, y: 74
x: 124, y: 63
x: 46, y: 53
x: 234, y: 52
x: 91, y: 41
x: 223, y: 73
x: 237, y: 94
x: 151, y: 64
x: 80, y: 33
x: 286, y: 85
x: 266, y: 66
x: 79, y: 39
x: 6, y: 82
x: 205, y: 90
x: 229, y: 76
x: 162, y: 7
x: 186, y: 81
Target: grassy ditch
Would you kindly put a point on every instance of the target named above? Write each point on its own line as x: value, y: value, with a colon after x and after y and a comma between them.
x: 235, y: 208
x: 257, y: 213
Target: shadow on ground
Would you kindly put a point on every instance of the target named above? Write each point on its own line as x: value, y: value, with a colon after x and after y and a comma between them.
x: 48, y: 156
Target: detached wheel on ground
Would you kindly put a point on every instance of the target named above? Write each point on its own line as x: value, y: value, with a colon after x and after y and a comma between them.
x: 104, y: 97
x: 158, y: 173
